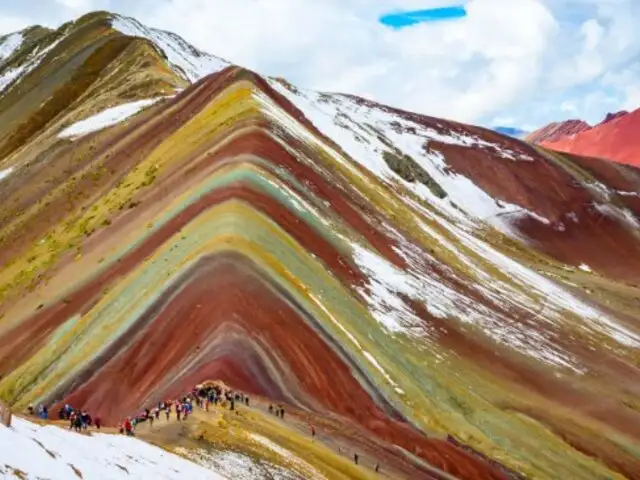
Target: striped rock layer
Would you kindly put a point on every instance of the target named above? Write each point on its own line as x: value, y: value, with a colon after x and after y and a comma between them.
x: 413, y: 277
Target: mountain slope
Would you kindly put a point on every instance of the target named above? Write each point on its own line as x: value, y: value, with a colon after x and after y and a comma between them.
x: 558, y: 130
x: 406, y: 277
x: 28, y: 450
x: 615, y: 139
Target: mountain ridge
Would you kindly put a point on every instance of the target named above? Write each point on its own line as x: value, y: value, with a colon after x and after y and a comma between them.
x: 411, y: 276
x: 612, y: 139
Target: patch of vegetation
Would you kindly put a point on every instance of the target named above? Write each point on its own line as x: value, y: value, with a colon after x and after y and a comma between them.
x: 15, y: 472
x: 150, y: 176
x: 408, y: 169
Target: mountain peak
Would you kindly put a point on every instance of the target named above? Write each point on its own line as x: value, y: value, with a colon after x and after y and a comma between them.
x: 557, y: 130
x: 418, y: 290
x: 613, y: 116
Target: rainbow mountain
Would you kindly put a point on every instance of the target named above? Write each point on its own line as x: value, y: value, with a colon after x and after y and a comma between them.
x: 447, y: 301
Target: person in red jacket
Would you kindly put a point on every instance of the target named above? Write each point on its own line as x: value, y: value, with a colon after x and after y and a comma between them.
x: 128, y: 427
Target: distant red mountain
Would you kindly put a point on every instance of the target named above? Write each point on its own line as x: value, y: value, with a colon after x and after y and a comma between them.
x: 615, y: 138
x: 557, y: 130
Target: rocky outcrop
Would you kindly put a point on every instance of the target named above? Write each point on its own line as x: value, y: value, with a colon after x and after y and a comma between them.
x: 613, y: 116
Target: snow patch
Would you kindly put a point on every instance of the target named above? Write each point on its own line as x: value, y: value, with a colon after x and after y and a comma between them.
x: 622, y: 214
x: 385, y: 284
x: 628, y: 194
x: 30, y: 64
x: 10, y: 44
x: 465, y: 140
x: 585, y: 268
x: 521, y: 309
x: 283, y: 452
x: 53, y: 453
x: 106, y: 118
x: 5, y: 173
x: 236, y: 466
x: 192, y: 63
x: 365, y: 133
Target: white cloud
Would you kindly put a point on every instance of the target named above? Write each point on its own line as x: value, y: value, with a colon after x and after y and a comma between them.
x: 521, y: 59
x: 75, y: 4
x: 466, y: 69
x: 9, y: 23
x: 569, y: 107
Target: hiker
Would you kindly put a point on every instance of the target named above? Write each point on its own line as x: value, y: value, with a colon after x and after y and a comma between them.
x: 97, y: 422
x: 77, y: 423
x: 282, y: 413
x: 151, y: 417
x: 30, y: 409
x: 313, y: 431
x: 232, y: 405
x: 167, y: 412
x: 185, y: 413
x: 128, y: 427
x: 84, y: 420
x: 270, y: 408
x: 178, y: 411
x: 246, y: 401
x: 355, y: 458
x: 157, y: 413
x: 377, y: 467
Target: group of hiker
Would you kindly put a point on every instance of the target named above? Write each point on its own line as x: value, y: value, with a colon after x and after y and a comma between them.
x: 43, y: 411
x: 201, y: 395
x: 183, y: 407
x: 279, y: 411
x: 79, y: 420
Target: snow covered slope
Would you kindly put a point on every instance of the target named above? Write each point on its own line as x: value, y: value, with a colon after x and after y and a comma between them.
x: 31, y: 451
x: 367, y: 132
x: 11, y: 75
x: 9, y: 44
x: 192, y: 63
x: 106, y: 118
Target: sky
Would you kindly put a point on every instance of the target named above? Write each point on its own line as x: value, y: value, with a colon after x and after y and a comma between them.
x: 521, y: 63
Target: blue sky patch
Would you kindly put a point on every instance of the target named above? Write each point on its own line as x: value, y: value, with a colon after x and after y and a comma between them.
x: 399, y: 20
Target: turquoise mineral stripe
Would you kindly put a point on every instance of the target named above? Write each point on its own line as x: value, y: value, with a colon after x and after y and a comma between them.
x: 143, y: 287
x: 249, y: 175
